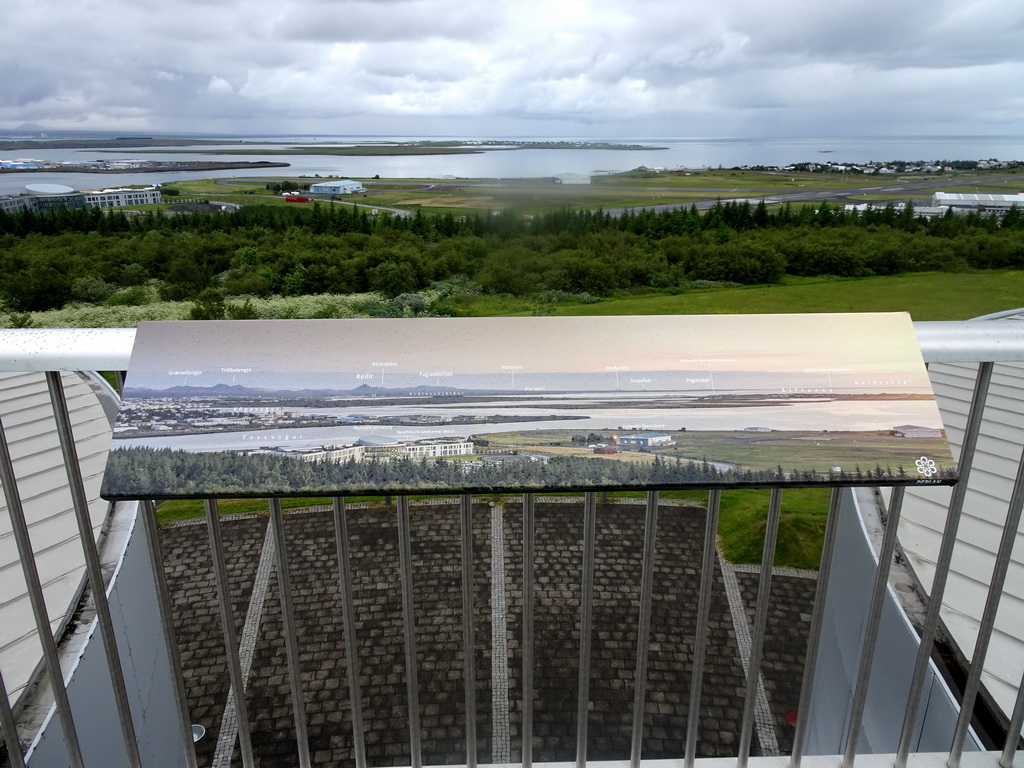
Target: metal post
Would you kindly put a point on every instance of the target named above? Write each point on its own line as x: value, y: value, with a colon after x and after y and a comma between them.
x: 760, y: 619
x: 227, y: 620
x: 867, y: 649
x: 156, y: 564
x: 814, y: 632
x: 528, y: 558
x: 80, y: 502
x: 988, y: 616
x: 707, y: 581
x: 409, y: 622
x: 468, y: 644
x: 1013, y: 732
x: 8, y: 728
x: 942, y: 563
x: 291, y: 641
x: 644, y: 627
x: 586, y: 621
x: 35, y: 594
x: 349, y: 625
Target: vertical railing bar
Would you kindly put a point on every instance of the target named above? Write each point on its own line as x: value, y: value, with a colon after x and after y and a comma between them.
x: 760, y: 620
x: 468, y: 643
x: 586, y: 622
x: 988, y: 616
x: 870, y: 640
x: 291, y: 641
x: 80, y: 503
x: 644, y: 627
x: 409, y: 623
x: 156, y: 563
x: 35, y: 593
x: 700, y: 641
x: 119, y: 381
x: 227, y: 620
x: 1013, y: 732
x: 9, y: 729
x: 349, y: 627
x: 942, y: 562
x: 814, y: 632
x: 528, y: 567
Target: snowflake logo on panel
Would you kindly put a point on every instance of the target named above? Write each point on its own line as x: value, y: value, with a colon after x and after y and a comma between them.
x: 926, y: 466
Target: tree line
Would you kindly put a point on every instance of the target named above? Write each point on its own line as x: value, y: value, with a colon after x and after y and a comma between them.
x: 148, y: 472
x: 50, y: 259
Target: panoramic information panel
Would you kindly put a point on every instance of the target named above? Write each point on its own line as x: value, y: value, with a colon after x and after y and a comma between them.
x: 301, y: 407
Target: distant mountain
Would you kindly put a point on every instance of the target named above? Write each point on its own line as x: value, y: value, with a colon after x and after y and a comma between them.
x: 236, y: 390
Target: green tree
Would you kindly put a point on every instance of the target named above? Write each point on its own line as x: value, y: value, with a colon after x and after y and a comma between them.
x: 209, y: 305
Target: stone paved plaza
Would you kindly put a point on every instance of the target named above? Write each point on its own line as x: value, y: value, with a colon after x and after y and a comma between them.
x: 436, y: 553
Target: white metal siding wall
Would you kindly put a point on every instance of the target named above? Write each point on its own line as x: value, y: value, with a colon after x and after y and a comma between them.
x: 924, y: 515
x: 28, y: 421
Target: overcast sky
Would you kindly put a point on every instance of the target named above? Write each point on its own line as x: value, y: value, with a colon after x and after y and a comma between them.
x: 613, y: 68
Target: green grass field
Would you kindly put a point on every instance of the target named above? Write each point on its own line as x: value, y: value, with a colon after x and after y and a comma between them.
x: 926, y: 296
x: 633, y: 189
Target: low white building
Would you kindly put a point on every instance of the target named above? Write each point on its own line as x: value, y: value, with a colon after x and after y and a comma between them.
x: 336, y: 187
x: 978, y: 201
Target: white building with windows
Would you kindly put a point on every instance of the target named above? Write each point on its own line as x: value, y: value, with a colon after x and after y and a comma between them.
x: 44, y: 197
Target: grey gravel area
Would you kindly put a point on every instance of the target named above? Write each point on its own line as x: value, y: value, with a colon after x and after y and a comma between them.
x: 437, y: 593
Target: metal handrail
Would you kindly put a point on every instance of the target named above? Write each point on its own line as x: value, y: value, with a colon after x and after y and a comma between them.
x: 110, y: 349
x: 975, y: 341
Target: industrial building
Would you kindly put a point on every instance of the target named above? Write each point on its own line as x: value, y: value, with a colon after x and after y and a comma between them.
x: 644, y: 439
x: 337, y: 187
x: 978, y: 202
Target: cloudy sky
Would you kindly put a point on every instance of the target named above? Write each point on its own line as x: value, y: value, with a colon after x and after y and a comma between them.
x: 611, y: 68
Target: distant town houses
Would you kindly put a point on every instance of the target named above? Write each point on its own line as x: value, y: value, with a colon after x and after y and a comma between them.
x: 891, y: 167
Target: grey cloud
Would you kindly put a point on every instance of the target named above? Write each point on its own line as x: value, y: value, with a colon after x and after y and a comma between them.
x: 362, y: 21
x: 601, y: 65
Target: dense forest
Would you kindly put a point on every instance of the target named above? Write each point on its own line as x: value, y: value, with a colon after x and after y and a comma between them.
x: 147, y: 472
x: 87, y: 256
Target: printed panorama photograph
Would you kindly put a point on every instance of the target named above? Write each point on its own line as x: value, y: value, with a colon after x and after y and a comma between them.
x: 240, y: 408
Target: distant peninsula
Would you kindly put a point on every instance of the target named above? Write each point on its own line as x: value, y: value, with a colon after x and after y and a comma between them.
x: 357, y: 148
x: 148, y: 167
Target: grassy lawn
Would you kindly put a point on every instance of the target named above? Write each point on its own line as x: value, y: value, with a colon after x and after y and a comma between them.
x: 743, y: 517
x: 926, y: 296
x: 624, y: 190
x: 727, y: 180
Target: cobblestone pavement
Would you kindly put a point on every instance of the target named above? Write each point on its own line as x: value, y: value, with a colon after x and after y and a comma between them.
x: 785, y: 642
x: 437, y: 593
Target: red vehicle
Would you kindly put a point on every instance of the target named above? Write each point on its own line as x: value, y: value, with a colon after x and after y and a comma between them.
x: 293, y: 199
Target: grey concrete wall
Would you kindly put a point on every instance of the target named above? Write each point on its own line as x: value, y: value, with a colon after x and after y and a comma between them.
x: 849, y: 595
x: 147, y: 673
